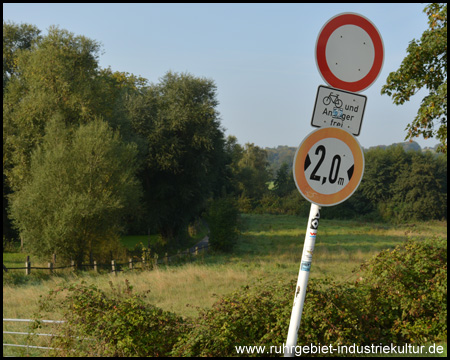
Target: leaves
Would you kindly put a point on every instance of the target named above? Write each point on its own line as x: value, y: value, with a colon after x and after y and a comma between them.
x: 425, y: 66
x: 79, y: 189
x: 401, y: 299
x: 120, y: 323
x: 184, y: 155
x: 405, y: 185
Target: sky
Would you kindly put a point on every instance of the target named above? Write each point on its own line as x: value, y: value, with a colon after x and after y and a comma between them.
x: 260, y: 56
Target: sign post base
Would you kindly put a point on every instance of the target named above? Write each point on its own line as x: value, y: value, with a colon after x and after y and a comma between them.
x: 302, y: 282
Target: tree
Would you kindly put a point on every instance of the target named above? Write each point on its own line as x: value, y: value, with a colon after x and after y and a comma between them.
x: 81, y: 185
x: 382, y: 167
x: 254, y: 173
x: 222, y: 217
x: 57, y: 76
x: 284, y: 181
x: 16, y: 38
x: 425, y: 66
x: 404, y: 185
x: 184, y: 156
x: 417, y: 191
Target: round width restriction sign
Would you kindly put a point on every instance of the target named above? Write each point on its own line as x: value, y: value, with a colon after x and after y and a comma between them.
x: 328, y: 166
x: 349, y: 52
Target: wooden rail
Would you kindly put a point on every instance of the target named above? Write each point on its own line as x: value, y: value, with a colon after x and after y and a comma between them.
x: 116, y: 267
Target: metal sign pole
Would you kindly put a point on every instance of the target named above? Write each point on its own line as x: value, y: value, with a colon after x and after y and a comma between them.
x: 302, y: 282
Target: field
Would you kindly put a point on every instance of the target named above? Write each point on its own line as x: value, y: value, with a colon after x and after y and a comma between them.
x: 269, y: 247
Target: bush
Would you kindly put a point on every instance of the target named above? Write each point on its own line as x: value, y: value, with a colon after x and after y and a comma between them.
x: 408, y: 290
x: 257, y: 316
x: 400, y: 298
x: 222, y: 218
x: 120, y: 324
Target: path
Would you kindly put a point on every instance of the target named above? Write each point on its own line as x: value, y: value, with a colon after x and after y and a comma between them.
x: 203, y: 243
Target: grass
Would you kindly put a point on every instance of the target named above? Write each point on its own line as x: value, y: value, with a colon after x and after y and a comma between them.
x: 14, y: 259
x: 269, y: 247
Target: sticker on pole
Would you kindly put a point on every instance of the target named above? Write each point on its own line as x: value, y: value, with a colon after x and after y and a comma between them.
x: 328, y: 166
x: 339, y: 108
x: 349, y: 52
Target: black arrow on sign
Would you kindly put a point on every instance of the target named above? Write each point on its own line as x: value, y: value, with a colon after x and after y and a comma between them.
x: 350, y: 172
x: 307, y: 162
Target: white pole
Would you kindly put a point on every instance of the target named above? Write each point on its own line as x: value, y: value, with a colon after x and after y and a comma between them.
x: 302, y: 282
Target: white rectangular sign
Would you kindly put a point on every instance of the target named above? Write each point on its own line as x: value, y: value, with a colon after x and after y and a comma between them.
x: 338, y: 108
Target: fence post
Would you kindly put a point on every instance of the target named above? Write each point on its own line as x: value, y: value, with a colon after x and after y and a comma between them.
x: 113, y: 266
x: 130, y: 263
x: 50, y: 267
x: 166, y: 259
x: 95, y: 265
x: 72, y: 263
x: 28, y: 266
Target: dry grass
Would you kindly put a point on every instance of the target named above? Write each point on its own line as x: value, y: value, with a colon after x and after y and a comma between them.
x: 172, y: 289
x: 270, y: 247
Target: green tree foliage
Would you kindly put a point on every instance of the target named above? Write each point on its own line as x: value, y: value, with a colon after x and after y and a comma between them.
x: 382, y: 166
x: 115, y: 90
x: 57, y: 76
x: 222, y: 217
x: 80, y: 187
x: 425, y: 66
x: 233, y: 151
x: 254, y: 174
x: 284, y: 181
x: 184, y: 158
x: 417, y: 192
x: 16, y: 38
x: 279, y: 155
x: 405, y: 186
x: 49, y: 77
x: 250, y: 173
x: 174, y: 123
x: 398, y: 185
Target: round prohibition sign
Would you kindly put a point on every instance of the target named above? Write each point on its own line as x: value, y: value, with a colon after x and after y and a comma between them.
x: 349, y: 52
x: 328, y: 166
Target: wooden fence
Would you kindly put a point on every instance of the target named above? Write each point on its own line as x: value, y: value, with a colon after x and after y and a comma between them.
x: 147, y: 263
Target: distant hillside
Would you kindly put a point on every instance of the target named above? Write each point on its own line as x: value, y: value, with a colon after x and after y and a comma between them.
x: 279, y: 155
x: 406, y: 145
x: 282, y: 153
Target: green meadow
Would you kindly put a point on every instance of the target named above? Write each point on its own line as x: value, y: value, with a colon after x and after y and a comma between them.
x: 269, y: 248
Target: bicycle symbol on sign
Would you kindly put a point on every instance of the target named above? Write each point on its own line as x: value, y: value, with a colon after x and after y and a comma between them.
x: 329, y: 99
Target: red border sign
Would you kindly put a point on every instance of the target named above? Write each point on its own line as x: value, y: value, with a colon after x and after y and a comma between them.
x: 303, y: 184
x: 321, y: 44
